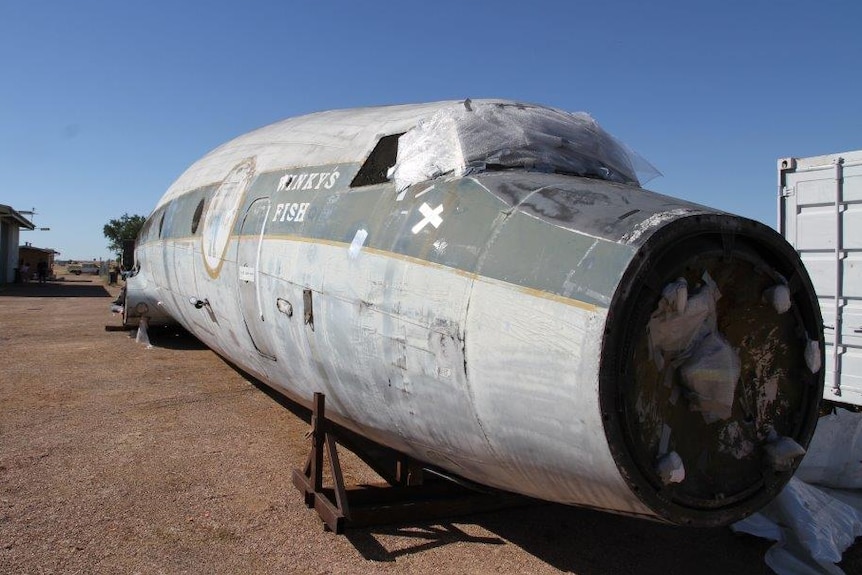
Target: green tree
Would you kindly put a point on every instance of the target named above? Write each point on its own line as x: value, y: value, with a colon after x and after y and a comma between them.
x: 122, y: 228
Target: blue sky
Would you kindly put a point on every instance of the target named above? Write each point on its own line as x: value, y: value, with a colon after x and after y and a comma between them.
x: 104, y: 103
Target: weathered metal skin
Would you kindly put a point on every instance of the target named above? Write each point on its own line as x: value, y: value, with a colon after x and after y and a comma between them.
x: 492, y: 325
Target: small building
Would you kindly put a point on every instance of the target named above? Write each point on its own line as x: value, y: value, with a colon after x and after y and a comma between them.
x: 11, y: 223
x: 33, y: 256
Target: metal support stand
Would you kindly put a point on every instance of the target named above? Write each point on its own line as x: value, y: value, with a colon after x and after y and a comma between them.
x: 310, y: 480
x: 408, y: 495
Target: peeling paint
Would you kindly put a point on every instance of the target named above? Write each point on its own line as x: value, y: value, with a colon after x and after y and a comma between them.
x: 653, y: 221
x: 734, y: 441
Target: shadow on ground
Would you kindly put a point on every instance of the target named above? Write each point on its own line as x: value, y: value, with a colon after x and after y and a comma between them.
x: 427, y: 537
x: 590, y: 542
x: 576, y: 540
x: 172, y: 337
x: 54, y: 289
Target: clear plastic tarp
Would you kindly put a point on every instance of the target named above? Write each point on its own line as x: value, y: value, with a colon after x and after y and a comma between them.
x: 478, y: 136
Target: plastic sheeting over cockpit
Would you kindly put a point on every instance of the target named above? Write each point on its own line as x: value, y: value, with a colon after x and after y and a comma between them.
x: 479, y: 136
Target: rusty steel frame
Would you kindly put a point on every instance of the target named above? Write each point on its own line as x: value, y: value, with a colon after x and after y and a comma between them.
x: 409, y: 496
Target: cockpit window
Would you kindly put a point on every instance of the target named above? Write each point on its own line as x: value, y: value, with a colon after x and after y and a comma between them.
x: 376, y: 166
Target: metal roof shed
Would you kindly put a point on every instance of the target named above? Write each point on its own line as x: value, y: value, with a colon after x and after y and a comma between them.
x: 11, y: 223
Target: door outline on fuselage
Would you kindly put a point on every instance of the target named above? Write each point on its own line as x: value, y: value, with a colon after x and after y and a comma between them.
x: 249, y: 246
x: 221, y: 214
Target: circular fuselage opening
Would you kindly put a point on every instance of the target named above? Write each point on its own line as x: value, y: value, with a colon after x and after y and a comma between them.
x: 704, y: 373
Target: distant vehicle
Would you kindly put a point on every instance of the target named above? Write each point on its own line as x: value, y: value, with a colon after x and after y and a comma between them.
x: 78, y: 269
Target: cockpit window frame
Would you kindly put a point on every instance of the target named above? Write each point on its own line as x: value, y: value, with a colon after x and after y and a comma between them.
x: 375, y: 168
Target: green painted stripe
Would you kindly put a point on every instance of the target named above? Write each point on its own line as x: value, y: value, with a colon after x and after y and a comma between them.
x: 479, y: 236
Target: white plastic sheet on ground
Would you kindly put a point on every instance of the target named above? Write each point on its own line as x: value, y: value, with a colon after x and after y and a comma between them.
x: 812, y: 529
x: 811, y: 523
x: 476, y: 136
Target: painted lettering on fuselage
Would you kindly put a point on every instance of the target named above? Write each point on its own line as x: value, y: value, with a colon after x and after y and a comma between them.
x: 308, y: 181
x: 290, y: 212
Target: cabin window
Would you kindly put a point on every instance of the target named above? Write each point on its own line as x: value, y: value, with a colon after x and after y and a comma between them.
x: 144, y: 234
x: 381, y: 158
x: 196, y: 218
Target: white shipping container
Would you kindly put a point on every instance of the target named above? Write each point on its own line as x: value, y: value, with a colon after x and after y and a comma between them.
x: 820, y: 214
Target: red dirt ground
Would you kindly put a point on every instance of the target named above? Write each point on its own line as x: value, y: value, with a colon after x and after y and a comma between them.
x: 116, y: 458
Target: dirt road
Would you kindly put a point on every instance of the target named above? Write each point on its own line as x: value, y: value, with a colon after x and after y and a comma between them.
x: 116, y: 458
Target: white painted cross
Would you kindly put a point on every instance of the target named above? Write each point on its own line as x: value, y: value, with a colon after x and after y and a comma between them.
x: 432, y: 216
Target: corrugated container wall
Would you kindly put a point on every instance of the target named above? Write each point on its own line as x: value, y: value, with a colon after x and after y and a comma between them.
x: 820, y: 214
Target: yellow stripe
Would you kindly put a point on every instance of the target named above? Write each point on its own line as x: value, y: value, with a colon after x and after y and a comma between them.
x: 535, y: 292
